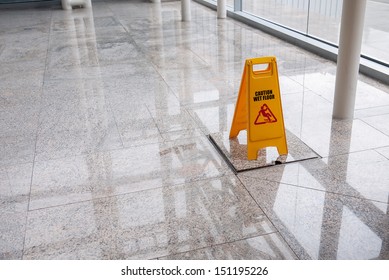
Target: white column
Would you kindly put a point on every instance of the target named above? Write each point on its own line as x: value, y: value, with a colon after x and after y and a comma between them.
x: 350, y: 43
x: 185, y: 10
x: 221, y: 8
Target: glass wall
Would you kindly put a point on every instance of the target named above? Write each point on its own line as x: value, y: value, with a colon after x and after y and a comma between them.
x: 376, y: 31
x: 289, y: 13
x: 324, y: 19
x: 321, y: 19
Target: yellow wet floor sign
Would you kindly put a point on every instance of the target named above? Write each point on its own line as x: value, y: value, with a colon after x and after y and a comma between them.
x: 258, y: 108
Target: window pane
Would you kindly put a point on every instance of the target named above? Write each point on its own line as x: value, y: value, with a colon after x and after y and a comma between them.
x: 376, y: 30
x: 324, y: 19
x: 290, y: 13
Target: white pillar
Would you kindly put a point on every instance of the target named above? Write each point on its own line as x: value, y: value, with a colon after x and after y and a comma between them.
x: 221, y: 8
x: 350, y: 43
x: 185, y: 10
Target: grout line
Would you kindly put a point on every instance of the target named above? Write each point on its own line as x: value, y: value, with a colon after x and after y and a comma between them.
x: 268, y: 217
x: 37, y: 131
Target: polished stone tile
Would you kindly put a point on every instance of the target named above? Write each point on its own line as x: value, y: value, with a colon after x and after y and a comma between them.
x: 80, y: 178
x: 214, y: 116
x: 384, y: 151
x: 62, y: 40
x: 323, y: 83
x: 265, y: 247
x: 370, y: 95
x: 135, y: 123
x: 302, y: 112
x: 81, y: 53
x: 105, y: 22
x: 70, y: 24
x: 17, y: 149
x: 132, y: 74
x: 12, y: 230
x: 361, y: 175
x: 86, y: 22
x: 371, y: 112
x: 19, y: 120
x: 23, y: 48
x: 154, y: 41
x: 26, y: 26
x: 305, y: 109
x: 195, y: 86
x: 320, y: 225
x: 309, y: 66
x: 61, y: 90
x: 15, y: 183
x: 146, y: 224
x: 105, y: 73
x: 118, y: 50
x: 379, y: 122
x: 178, y: 58
x: 138, y: 90
x: 308, y: 116
x: 173, y: 119
x: 32, y: 70
x: 336, y: 137
x: 23, y: 93
x: 182, y: 134
x: 71, y: 126
x: 235, y: 151
x: 288, y: 86
x: 60, y: 144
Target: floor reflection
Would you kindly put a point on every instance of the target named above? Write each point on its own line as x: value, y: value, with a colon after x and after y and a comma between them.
x: 324, y: 217
x: 113, y: 162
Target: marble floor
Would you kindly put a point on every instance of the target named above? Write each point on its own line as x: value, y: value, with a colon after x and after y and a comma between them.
x: 104, y: 151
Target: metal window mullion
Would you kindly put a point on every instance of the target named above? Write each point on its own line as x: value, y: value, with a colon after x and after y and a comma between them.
x: 237, y: 5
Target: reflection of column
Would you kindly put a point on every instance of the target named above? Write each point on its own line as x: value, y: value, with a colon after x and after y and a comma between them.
x: 185, y: 10
x: 222, y: 55
x: 156, y: 12
x: 221, y: 8
x: 96, y: 124
x: 340, y: 141
x: 333, y: 209
x: 333, y: 212
x: 238, y: 56
x: 350, y: 43
x: 384, y: 254
x: 67, y: 4
x: 156, y: 15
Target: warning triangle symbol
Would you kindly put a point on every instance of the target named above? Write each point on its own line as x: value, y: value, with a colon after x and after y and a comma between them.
x: 265, y: 116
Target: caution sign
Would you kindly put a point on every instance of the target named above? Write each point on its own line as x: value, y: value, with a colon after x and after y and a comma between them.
x: 258, y: 108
